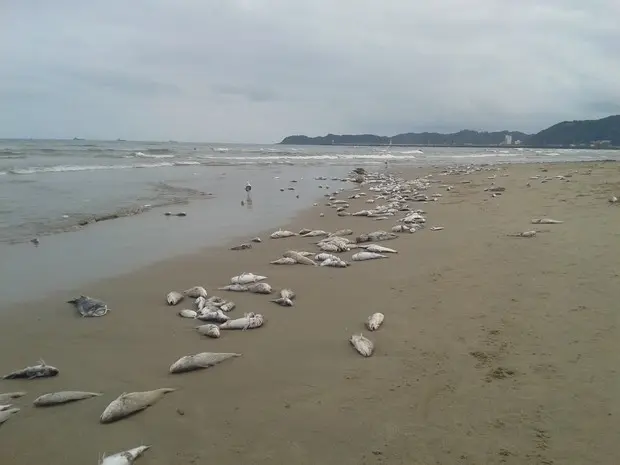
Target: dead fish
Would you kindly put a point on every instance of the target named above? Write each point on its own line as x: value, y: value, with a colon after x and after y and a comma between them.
x: 63, y: 397
x: 280, y: 233
x: 335, y: 262
x: 89, y: 307
x: 234, y: 288
x: 546, y: 221
x: 401, y: 228
x: 523, y: 234
x: 209, y: 330
x: 247, y: 278
x: 132, y: 402
x: 200, y: 303
x: 299, y: 258
x: 187, y: 313
x: 342, y: 232
x: 215, y: 300
x: 228, y: 306
x: 212, y: 315
x: 200, y: 361
x: 315, y: 233
x: 324, y: 256
x: 243, y: 246
x: 5, y: 407
x: 329, y: 247
x: 42, y: 370
x: 436, y: 228
x: 613, y: 199
x: 361, y: 256
x: 195, y: 292
x: 249, y: 321
x: 6, y: 414
x: 374, y: 321
x: 256, y: 239
x: 127, y: 457
x: 303, y: 231
x: 7, y: 396
x: 259, y: 288
x: 174, y: 297
x: 363, y: 345
x: 284, y: 261
x: 379, y: 249
x: 286, y: 298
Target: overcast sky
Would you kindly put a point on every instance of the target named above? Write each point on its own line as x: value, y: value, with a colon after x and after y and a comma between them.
x: 258, y: 70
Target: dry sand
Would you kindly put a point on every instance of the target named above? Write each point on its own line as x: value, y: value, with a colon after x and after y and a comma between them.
x: 495, y: 349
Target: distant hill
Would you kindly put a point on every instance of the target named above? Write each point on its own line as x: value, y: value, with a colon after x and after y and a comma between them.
x: 605, y: 131
x: 465, y: 137
x: 599, y: 133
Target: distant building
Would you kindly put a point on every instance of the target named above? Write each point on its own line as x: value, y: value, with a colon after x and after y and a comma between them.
x: 517, y: 142
x: 508, y: 139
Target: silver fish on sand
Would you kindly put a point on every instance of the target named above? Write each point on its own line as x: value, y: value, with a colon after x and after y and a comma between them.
x: 299, y: 257
x: 8, y: 396
x: 187, y: 313
x: 209, y: 330
x: 42, y: 370
x: 249, y: 321
x: 527, y: 234
x: 363, y: 345
x: 127, y: 457
x: 215, y: 300
x: 227, y: 306
x: 132, y: 402
x: 89, y: 307
x: 244, y: 246
x: 174, y: 297
x: 8, y: 413
x: 374, y: 321
x: 63, y: 397
x: 315, y: 233
x: 260, y: 288
x: 247, y: 278
x: 195, y: 292
x: 200, y: 361
x: 546, y: 221
x: 284, y: 261
x: 234, y: 288
x: 200, y: 302
x: 335, y: 262
x: 279, y: 234
x: 212, y: 315
x: 5, y: 407
x: 379, y: 249
x: 286, y: 298
x: 361, y: 256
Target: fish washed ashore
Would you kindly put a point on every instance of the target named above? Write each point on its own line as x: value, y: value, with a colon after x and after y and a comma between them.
x: 485, y: 348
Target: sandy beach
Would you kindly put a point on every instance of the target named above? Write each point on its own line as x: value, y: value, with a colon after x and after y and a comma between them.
x: 495, y: 349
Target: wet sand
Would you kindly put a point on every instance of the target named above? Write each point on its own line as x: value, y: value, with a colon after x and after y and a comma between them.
x: 495, y: 349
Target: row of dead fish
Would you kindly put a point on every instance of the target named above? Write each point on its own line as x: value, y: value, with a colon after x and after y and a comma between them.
x: 123, y: 406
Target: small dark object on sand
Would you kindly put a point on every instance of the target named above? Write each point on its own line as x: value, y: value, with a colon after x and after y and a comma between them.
x: 175, y: 214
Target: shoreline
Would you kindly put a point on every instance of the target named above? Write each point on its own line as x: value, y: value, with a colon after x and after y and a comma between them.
x: 492, y: 350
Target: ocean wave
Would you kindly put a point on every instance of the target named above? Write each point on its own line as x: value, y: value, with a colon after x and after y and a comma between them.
x: 10, y: 154
x: 159, y: 151
x: 152, y: 155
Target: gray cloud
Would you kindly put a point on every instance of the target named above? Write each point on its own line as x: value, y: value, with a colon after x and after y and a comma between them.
x: 257, y: 70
